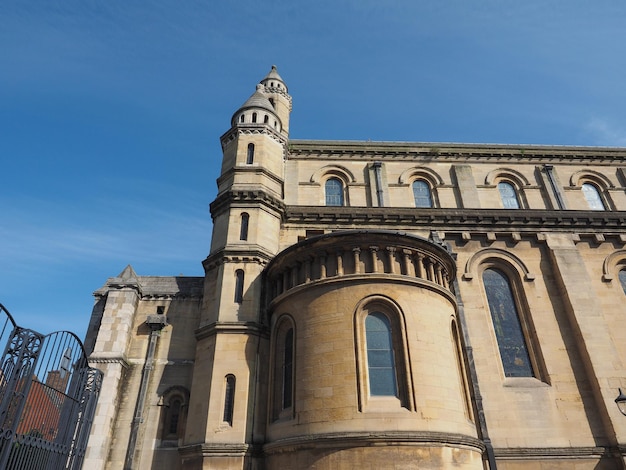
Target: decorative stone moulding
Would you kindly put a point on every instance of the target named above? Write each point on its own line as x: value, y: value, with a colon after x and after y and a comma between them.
x: 350, y: 253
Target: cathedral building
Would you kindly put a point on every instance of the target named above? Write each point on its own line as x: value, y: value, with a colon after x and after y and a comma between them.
x: 377, y: 305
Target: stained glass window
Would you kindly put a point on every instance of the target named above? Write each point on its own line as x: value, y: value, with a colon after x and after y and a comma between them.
x: 508, y: 195
x: 622, y: 279
x: 421, y: 194
x: 380, y: 358
x: 334, y: 192
x: 506, y: 323
x: 592, y: 195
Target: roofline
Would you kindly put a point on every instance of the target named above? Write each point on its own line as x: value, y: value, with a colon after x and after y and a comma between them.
x: 406, y: 146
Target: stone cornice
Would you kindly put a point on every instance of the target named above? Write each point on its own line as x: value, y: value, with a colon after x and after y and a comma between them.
x: 539, y: 453
x: 244, y: 254
x: 251, y: 128
x: 248, y: 328
x: 105, y: 359
x: 428, y: 151
x: 223, y: 201
x: 247, y: 169
x: 343, y: 440
x: 219, y: 449
x: 485, y: 220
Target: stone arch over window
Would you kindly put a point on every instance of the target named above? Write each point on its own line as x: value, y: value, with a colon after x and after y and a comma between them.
x: 595, y: 188
x: 506, y: 301
x: 174, y: 404
x: 283, y: 370
x: 510, y: 324
x: 488, y: 255
x: 335, y: 174
x: 510, y: 184
x: 427, y: 176
x: 382, y: 356
x: 614, y: 265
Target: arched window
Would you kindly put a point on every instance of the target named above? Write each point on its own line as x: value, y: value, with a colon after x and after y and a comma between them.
x: 253, y: 117
x: 622, y: 279
x: 507, y: 325
x: 592, y: 196
x: 287, y: 391
x: 239, y: 286
x: 243, y: 229
x: 242, y: 118
x: 508, y: 195
x: 283, y: 376
x: 250, y: 156
x: 380, y: 357
x: 266, y: 119
x: 229, y: 399
x: 334, y: 192
x: 421, y: 194
x: 174, y: 413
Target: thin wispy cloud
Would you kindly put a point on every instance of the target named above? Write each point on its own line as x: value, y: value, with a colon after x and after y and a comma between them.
x: 606, y: 133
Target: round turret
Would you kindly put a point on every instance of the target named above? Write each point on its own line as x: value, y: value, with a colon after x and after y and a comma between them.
x: 257, y: 109
x: 273, y: 81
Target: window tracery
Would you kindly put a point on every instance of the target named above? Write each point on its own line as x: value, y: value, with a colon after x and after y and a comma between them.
x: 507, y: 324
x: 422, y: 194
x: 508, y: 195
x: 334, y: 192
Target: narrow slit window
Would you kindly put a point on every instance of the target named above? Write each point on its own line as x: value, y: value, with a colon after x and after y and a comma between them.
x: 334, y: 192
x: 266, y: 119
x: 380, y: 357
x: 250, y: 155
x: 229, y: 399
x: 287, y: 398
x: 253, y: 117
x: 243, y: 230
x: 175, y: 406
x: 592, y: 196
x: 242, y: 118
x: 421, y: 194
x: 507, y: 325
x: 239, y: 286
x: 508, y: 195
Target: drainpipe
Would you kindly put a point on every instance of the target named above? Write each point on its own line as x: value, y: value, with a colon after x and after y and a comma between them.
x: 379, y: 183
x: 555, y: 187
x: 156, y: 324
x: 478, y: 400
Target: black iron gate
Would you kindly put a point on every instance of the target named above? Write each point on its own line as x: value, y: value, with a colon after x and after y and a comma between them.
x: 48, y: 396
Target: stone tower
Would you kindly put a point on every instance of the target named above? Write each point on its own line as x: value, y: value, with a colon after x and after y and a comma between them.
x: 246, y: 222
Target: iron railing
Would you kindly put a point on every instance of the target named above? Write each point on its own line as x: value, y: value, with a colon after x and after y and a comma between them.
x: 48, y: 395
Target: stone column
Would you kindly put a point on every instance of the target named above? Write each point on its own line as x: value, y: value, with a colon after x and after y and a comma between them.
x: 602, y: 364
x: 110, y: 356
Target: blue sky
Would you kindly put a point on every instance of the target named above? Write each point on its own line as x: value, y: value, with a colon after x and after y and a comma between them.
x: 111, y: 111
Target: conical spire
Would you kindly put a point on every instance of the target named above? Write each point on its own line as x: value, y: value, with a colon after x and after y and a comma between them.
x: 274, y: 80
x: 257, y: 100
